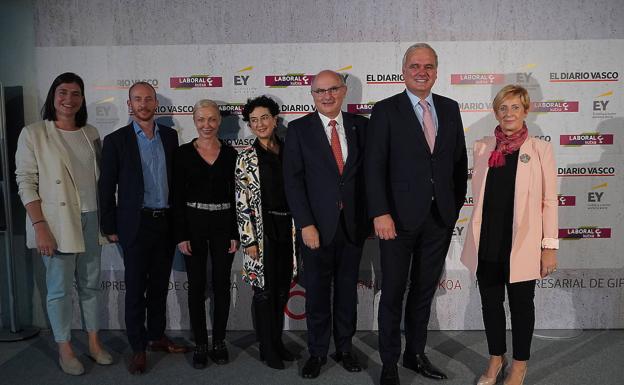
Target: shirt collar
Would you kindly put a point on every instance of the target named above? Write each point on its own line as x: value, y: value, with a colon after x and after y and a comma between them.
x: 139, y: 131
x: 326, y: 120
x: 415, y: 99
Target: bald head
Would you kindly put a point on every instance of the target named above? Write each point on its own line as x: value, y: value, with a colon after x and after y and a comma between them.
x: 328, y: 90
x: 328, y: 73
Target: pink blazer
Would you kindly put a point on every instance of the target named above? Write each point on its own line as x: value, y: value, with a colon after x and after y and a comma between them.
x: 535, y: 222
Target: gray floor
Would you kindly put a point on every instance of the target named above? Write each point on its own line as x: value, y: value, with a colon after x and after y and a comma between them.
x: 594, y: 357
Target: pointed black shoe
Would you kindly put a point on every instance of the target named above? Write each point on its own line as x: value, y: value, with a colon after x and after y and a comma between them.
x: 312, y: 367
x: 389, y: 375
x: 200, y: 356
x: 421, y: 365
x: 349, y: 361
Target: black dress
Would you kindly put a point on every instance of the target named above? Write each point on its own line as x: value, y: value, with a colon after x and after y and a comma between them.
x: 211, y: 225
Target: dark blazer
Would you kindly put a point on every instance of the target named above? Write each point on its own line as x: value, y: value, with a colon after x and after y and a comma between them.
x: 314, y: 188
x: 402, y: 175
x: 121, y: 172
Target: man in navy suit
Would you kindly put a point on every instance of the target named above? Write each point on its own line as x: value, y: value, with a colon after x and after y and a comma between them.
x: 136, y: 164
x: 323, y: 179
x: 416, y: 176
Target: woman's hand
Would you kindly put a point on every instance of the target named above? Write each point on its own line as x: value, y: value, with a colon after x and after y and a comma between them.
x: 233, y: 246
x: 549, y: 262
x: 253, y: 252
x: 46, y: 243
x: 185, y: 247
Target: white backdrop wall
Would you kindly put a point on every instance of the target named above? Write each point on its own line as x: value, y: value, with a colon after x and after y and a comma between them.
x: 577, y: 104
x: 482, y: 45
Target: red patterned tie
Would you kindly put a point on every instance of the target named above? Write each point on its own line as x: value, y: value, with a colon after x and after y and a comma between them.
x: 429, y: 126
x: 335, y: 145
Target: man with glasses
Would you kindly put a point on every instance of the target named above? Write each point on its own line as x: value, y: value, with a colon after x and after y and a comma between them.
x: 416, y: 176
x: 324, y: 186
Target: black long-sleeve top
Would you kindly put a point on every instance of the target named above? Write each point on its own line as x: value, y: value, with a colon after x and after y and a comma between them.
x: 195, y: 180
x: 498, y: 207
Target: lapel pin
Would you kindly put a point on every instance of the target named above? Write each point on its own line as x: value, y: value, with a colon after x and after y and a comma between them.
x: 525, y: 158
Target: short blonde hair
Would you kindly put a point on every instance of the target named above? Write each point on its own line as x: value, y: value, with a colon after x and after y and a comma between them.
x: 205, y: 103
x: 512, y: 90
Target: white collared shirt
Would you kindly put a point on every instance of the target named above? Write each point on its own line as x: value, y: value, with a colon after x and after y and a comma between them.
x: 341, y: 133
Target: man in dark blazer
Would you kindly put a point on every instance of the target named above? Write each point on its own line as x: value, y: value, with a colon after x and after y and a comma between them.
x: 323, y: 179
x: 136, y: 164
x: 416, y: 176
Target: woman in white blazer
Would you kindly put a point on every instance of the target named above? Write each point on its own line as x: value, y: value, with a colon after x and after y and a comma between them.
x: 56, y: 172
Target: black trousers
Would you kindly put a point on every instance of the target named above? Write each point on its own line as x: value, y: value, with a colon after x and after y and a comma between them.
x: 337, y: 263
x: 209, y: 236
x: 425, y: 249
x: 521, y: 307
x: 147, y: 264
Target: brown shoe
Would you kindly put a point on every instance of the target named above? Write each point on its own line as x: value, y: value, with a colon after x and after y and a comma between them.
x: 164, y: 344
x: 137, y: 363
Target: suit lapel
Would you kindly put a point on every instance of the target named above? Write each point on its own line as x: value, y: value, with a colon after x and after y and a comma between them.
x: 414, y: 128
x: 523, y: 177
x: 443, y: 123
x: 134, y: 153
x: 352, y: 141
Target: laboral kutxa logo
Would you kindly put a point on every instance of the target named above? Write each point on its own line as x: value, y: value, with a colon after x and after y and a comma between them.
x: 480, y: 79
x: 360, y: 108
x: 585, y: 232
x: 585, y: 76
x: 195, y: 81
x: 586, y: 139
x: 288, y: 80
x: 231, y: 108
x: 555, y: 106
x: 566, y: 200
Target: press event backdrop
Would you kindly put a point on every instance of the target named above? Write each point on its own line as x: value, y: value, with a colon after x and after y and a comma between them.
x: 574, y: 79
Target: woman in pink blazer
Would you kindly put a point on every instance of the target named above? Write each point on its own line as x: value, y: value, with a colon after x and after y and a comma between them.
x: 512, y: 235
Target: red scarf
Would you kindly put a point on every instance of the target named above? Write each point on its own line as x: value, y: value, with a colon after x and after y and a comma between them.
x: 506, y: 145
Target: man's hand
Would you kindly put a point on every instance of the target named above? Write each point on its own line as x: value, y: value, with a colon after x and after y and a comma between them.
x: 384, y: 227
x: 310, y: 237
x: 185, y: 248
x: 113, y: 238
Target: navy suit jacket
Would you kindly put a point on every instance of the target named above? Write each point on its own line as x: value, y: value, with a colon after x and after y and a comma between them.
x: 402, y: 175
x: 121, y: 172
x: 315, y: 189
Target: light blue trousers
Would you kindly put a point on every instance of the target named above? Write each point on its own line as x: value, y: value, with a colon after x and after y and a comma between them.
x: 62, y: 269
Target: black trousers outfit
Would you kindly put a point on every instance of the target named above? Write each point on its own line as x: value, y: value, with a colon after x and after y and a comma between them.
x: 268, y: 303
x: 337, y: 263
x: 425, y: 249
x: 493, y: 280
x: 211, y: 236
x: 147, y: 264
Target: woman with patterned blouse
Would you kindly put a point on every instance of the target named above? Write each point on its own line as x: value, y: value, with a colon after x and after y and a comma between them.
x: 266, y: 228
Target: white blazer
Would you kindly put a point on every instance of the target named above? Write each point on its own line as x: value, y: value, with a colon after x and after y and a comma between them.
x: 44, y: 172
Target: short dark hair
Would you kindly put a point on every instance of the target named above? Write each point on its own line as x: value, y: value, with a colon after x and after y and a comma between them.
x: 141, y: 83
x: 260, y: 101
x: 48, y: 112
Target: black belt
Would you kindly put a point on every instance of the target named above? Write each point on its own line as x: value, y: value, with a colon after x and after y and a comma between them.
x: 155, y: 213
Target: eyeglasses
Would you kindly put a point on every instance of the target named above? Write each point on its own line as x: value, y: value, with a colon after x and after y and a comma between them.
x: 264, y: 118
x: 331, y: 91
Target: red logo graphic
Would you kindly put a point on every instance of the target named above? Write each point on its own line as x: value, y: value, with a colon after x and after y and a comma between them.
x: 586, y: 139
x: 294, y: 293
x: 195, y: 81
x: 457, y: 79
x: 567, y: 200
x: 289, y: 80
x: 360, y: 109
x: 554, y: 107
x: 585, y: 232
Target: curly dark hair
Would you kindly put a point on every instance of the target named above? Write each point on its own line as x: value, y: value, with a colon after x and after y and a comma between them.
x: 48, y: 112
x: 260, y: 101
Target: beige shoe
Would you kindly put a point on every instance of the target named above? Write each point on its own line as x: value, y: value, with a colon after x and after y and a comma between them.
x: 507, y: 382
x: 483, y: 380
x: 102, y: 357
x: 72, y: 366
